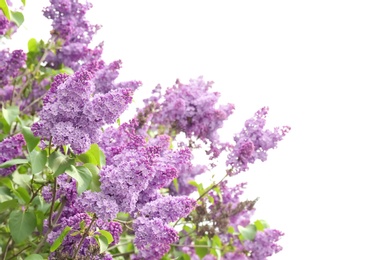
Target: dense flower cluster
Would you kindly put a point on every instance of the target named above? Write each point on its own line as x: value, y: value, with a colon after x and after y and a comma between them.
x: 253, y: 142
x: 10, y: 148
x: 4, y: 23
x: 10, y: 63
x: 78, y: 122
x: 70, y: 25
x: 190, y: 109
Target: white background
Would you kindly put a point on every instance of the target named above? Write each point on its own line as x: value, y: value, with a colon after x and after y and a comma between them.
x: 321, y: 66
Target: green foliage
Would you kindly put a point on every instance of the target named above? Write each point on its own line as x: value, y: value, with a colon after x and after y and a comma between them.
x: 30, y: 139
x: 94, y: 155
x: 38, y: 160
x: 104, y: 239
x: 17, y: 18
x: 4, y: 7
x: 82, y: 175
x: 21, y: 225
x: 13, y: 162
x: 203, y: 249
x: 60, y: 238
x: 248, y: 232
x: 34, y: 257
x: 58, y: 163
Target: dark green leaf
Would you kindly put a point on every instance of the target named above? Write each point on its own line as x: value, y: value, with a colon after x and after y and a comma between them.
x: 248, y: 232
x: 34, y: 257
x: 31, y: 140
x: 13, y: 162
x: 82, y: 176
x: 60, y: 238
x: 17, y: 18
x: 9, y: 204
x: 40, y: 218
x: 21, y: 225
x: 59, y: 163
x: 95, y: 183
x: 38, y: 161
x: 11, y: 113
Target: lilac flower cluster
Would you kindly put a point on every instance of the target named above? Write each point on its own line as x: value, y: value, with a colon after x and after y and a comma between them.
x: 78, y: 122
x: 4, y: 24
x: 186, y: 173
x: 10, y: 148
x: 105, y: 77
x: 253, y: 142
x: 10, y: 64
x: 190, y: 109
x: 69, y: 25
x: 89, y: 248
x: 264, y: 244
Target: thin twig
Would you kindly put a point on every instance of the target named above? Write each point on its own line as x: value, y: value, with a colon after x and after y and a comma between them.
x: 6, y: 248
x: 83, y: 237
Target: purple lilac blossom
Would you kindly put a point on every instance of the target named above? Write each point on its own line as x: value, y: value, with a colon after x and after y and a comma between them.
x: 10, y: 64
x: 89, y: 247
x: 103, y: 205
x: 169, y: 209
x: 190, y: 109
x: 253, y: 142
x: 10, y: 148
x: 264, y: 244
x: 105, y: 77
x: 153, y: 237
x: 4, y: 23
x: 78, y: 122
x: 186, y: 173
x: 69, y: 25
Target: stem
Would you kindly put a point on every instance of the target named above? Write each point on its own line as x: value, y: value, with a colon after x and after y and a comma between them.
x: 118, y: 245
x: 123, y: 254
x: 53, y: 200
x: 83, y: 237
x: 6, y: 248
x: 40, y: 245
x: 19, y: 252
x: 212, y: 187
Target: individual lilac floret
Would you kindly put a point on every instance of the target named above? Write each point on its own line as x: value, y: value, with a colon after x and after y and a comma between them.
x: 70, y: 116
x: 153, y: 237
x: 10, y: 64
x: 253, y: 142
x: 169, y: 209
x: 190, y: 109
x: 97, y: 202
x: 264, y: 244
x: 10, y: 148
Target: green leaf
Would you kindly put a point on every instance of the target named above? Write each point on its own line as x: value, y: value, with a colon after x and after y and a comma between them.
x: 24, y: 2
x: 59, y: 163
x: 4, y: 7
x: 104, y: 239
x: 103, y: 243
x: 60, y: 238
x: 21, y: 225
x: 202, y: 251
x: 94, y: 155
x: 40, y: 219
x: 31, y: 140
x: 176, y: 184
x: 13, y: 162
x: 38, y: 161
x: 32, y: 45
x: 7, y: 183
x: 95, y: 183
x: 107, y: 235
x: 34, y: 257
x: 82, y: 175
x: 261, y: 225
x: 248, y: 232
x: 66, y: 70
x: 17, y: 18
x: 22, y: 194
x: 11, y: 113
x: 9, y: 204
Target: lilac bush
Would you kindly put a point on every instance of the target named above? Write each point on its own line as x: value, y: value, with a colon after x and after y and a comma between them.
x: 76, y: 183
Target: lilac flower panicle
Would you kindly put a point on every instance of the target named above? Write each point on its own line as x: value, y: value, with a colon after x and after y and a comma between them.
x: 264, y: 244
x: 4, y: 23
x: 169, y: 209
x: 253, y: 142
x: 10, y: 148
x: 97, y: 202
x: 78, y: 122
x: 10, y: 64
x: 186, y: 173
x: 153, y: 237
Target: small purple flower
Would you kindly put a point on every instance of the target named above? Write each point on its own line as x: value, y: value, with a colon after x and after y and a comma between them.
x: 10, y: 148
